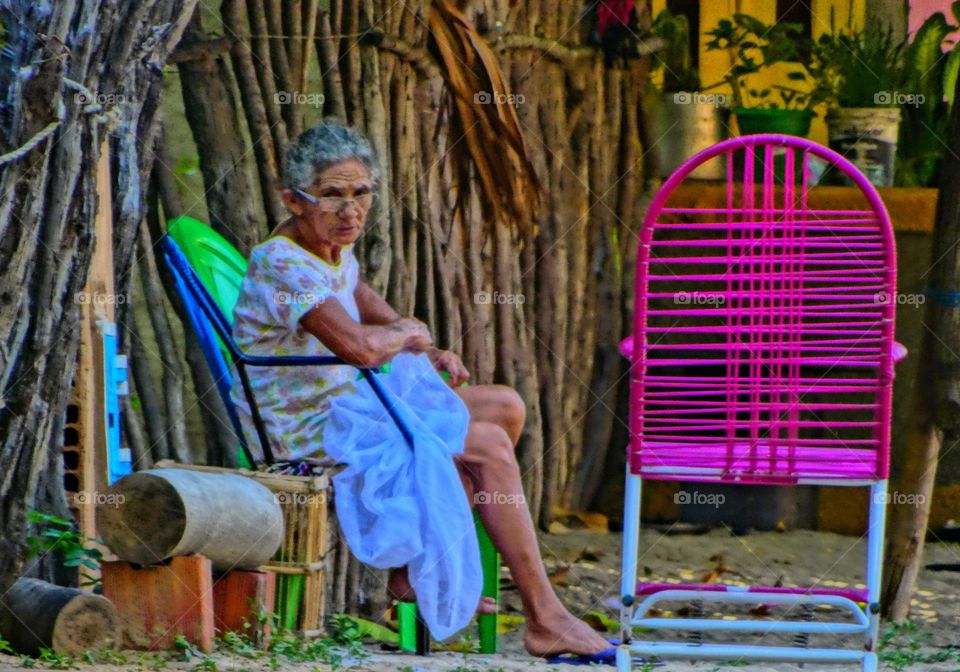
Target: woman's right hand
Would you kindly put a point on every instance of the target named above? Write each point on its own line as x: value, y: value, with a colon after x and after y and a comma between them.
x: 416, y: 335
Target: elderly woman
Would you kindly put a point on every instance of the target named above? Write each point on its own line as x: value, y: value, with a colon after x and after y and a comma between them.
x: 303, y: 296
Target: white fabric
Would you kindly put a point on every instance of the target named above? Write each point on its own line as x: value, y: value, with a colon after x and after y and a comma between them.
x: 400, y: 507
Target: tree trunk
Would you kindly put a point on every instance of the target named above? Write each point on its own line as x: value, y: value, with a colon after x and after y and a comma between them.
x: 936, y: 411
x: 213, y: 117
x: 49, y: 203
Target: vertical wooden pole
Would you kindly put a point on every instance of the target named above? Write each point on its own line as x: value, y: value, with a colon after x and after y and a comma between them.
x: 97, y: 303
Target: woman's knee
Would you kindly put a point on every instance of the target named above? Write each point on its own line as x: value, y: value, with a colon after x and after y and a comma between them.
x: 511, y: 411
x: 490, y: 447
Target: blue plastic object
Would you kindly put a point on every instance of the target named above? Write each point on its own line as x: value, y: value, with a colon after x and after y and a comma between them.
x: 119, y: 459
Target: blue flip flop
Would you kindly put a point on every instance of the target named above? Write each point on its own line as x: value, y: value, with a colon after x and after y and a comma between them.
x: 605, y: 657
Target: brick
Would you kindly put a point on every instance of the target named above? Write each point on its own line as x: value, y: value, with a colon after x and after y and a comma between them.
x: 239, y: 596
x: 157, y: 603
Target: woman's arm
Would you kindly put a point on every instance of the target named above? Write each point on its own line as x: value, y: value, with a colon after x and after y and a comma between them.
x: 364, y: 345
x: 373, y: 308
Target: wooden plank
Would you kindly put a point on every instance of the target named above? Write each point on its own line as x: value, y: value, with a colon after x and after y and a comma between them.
x: 911, y: 210
x: 156, y: 604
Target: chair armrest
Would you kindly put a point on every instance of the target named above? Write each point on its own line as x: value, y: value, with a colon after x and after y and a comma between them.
x: 288, y: 360
x: 898, y: 352
x: 626, y: 347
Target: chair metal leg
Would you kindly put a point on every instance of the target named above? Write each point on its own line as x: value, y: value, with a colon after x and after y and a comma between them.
x: 631, y: 543
x: 490, y: 561
x: 423, y: 637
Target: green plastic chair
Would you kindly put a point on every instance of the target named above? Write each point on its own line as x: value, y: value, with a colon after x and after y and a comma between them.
x: 221, y: 268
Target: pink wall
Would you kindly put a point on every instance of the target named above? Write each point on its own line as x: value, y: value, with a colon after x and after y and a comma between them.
x: 921, y: 9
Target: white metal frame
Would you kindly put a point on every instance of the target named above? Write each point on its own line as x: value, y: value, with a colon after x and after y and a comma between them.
x: 633, y: 613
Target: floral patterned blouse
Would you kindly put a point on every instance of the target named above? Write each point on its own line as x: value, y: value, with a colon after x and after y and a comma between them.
x: 283, y: 282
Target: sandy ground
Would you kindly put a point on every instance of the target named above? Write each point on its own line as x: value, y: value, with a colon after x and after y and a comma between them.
x: 585, y: 568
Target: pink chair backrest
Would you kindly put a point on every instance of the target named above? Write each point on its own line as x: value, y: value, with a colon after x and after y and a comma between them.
x: 763, y: 330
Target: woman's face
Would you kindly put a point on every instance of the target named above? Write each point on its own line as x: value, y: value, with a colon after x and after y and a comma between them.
x: 345, y: 194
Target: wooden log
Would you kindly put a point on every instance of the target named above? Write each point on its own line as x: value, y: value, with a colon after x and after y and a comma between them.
x: 163, y: 513
x: 36, y: 614
x: 157, y: 604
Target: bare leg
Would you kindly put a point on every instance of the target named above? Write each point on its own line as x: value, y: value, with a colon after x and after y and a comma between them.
x: 494, y: 476
x: 399, y: 588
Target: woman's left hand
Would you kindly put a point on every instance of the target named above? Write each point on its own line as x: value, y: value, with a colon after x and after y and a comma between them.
x: 445, y: 360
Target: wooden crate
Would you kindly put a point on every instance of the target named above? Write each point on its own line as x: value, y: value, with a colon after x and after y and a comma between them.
x: 302, y: 581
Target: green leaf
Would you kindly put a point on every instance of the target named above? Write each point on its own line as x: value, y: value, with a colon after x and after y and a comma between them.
x: 923, y: 61
x: 950, y: 70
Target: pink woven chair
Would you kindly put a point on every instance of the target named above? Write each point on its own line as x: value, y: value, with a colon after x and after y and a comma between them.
x: 762, y: 354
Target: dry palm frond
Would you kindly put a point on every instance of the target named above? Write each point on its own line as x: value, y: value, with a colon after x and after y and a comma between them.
x: 484, y: 127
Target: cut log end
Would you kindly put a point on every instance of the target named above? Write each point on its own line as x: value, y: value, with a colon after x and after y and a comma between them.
x: 38, y: 615
x: 86, y: 622
x: 148, y: 521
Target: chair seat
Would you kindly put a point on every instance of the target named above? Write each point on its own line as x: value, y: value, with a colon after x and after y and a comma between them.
x: 652, y: 587
x: 759, y: 462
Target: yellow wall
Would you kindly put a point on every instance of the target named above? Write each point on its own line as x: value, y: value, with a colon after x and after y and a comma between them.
x: 713, y: 64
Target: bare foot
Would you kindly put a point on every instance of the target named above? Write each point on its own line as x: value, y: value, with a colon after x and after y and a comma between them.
x: 562, y: 634
x: 399, y: 588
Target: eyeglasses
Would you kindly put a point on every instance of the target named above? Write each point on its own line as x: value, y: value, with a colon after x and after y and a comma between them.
x: 336, y: 203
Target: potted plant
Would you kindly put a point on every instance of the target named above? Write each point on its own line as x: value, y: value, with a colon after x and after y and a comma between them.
x: 863, y: 70
x: 753, y: 47
x: 685, y: 119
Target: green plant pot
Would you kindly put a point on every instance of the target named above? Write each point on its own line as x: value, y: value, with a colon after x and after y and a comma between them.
x: 789, y: 122
x: 784, y: 122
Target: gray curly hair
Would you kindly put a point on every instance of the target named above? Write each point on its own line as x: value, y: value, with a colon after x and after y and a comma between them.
x: 322, y: 146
